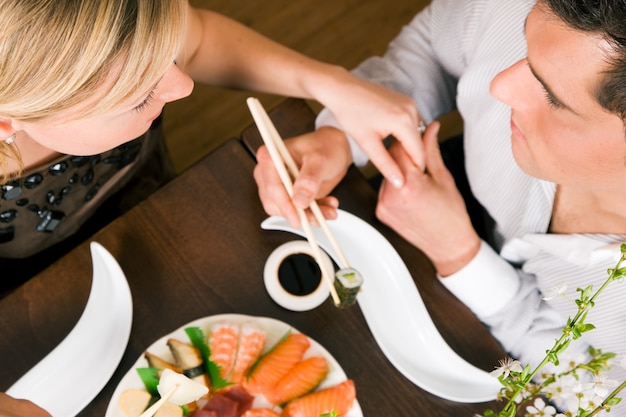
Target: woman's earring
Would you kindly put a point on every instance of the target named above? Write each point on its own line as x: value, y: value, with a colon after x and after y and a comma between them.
x: 10, y: 139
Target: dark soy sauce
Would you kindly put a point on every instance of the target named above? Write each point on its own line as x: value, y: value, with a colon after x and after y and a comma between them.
x: 299, y: 274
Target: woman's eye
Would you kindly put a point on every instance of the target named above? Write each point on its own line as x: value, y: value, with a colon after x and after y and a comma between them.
x: 146, y: 103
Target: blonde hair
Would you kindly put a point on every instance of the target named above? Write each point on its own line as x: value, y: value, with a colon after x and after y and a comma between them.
x: 55, y: 54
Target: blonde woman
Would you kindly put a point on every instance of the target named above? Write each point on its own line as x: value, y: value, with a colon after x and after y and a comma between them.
x: 82, y: 87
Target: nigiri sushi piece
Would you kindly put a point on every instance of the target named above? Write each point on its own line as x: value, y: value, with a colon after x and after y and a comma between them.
x: 276, y: 363
x: 301, y: 379
x: 251, y: 345
x: 223, y: 341
x: 338, y: 398
x: 190, y: 361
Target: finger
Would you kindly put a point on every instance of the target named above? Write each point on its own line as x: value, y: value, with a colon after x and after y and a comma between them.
x: 273, y: 195
x: 307, y: 184
x: 382, y: 160
x: 328, y: 206
x: 411, y: 140
x: 434, y: 161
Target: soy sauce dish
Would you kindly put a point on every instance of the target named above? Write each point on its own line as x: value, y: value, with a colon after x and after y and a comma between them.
x: 293, y: 278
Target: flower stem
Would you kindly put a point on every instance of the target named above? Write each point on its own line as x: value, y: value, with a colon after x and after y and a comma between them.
x: 607, y: 399
x: 568, y: 330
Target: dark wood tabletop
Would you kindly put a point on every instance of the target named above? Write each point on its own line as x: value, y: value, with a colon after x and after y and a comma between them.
x: 195, y: 248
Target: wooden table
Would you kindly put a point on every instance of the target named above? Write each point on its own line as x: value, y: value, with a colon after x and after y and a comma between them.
x: 195, y: 249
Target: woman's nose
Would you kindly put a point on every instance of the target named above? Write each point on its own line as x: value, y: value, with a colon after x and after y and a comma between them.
x: 177, y: 84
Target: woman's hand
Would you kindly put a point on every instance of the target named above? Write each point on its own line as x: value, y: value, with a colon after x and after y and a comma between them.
x: 10, y: 407
x: 323, y: 158
x: 428, y: 211
x: 369, y: 113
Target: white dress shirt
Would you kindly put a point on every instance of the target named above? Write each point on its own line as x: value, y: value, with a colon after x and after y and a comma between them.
x: 445, y: 59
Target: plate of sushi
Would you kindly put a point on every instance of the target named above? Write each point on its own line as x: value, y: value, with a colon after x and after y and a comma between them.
x: 253, y: 367
x: 396, y: 314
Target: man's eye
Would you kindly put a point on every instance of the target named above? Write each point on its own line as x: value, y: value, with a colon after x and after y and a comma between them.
x: 554, y: 103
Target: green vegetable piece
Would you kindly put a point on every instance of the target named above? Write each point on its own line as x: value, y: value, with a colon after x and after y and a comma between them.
x: 150, y: 379
x: 198, y: 340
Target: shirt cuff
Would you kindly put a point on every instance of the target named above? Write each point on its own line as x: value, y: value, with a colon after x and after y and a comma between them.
x: 326, y: 118
x: 486, y: 284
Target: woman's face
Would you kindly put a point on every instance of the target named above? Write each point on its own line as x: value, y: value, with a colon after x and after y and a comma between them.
x: 88, y: 136
x: 559, y: 131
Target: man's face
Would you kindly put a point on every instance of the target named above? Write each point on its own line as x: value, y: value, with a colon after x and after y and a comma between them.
x: 560, y: 132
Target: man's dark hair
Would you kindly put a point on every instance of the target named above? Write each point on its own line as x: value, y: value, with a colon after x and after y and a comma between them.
x: 606, y: 19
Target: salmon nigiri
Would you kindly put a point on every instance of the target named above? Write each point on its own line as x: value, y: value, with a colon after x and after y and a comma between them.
x: 339, y: 398
x: 301, y: 379
x: 251, y: 345
x: 223, y: 341
x: 276, y: 363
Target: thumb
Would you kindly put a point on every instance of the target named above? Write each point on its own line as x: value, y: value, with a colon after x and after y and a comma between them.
x: 307, y: 185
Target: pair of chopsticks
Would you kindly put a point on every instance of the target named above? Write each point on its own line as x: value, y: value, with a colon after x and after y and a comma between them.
x: 282, y: 161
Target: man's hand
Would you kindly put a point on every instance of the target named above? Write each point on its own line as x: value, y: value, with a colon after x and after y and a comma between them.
x: 428, y: 211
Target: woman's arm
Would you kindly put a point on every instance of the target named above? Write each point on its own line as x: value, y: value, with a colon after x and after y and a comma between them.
x: 11, y: 407
x: 220, y: 51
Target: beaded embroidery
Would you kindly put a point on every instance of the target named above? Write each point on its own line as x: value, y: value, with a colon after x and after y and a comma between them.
x: 43, y: 194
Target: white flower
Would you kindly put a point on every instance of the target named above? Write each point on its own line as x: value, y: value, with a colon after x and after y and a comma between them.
x: 540, y: 409
x: 507, y: 366
x: 561, y: 390
x: 601, y: 385
x: 528, y: 392
x: 572, y: 360
x: 590, y: 402
x: 558, y: 290
x: 584, y: 398
x: 623, y: 362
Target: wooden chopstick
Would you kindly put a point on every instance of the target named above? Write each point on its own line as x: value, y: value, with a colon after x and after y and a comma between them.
x: 293, y: 168
x: 274, y: 142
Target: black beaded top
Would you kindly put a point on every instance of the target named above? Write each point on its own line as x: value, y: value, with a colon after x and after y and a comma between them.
x: 49, y: 203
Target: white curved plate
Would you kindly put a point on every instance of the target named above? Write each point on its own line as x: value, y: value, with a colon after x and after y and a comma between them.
x: 396, y: 315
x: 72, y: 374
x: 274, y: 331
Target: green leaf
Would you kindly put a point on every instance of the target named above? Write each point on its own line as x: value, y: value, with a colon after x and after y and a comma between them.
x: 489, y: 413
x: 150, y: 379
x: 614, y: 401
x: 196, y: 336
x: 332, y: 413
x: 585, y: 327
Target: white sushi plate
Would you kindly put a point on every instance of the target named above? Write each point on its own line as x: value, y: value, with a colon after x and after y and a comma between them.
x: 396, y: 314
x: 274, y: 330
x: 66, y: 380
